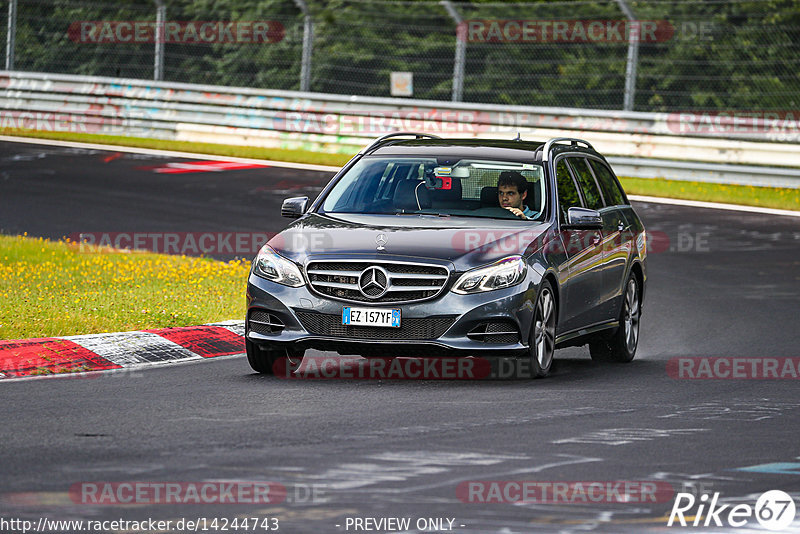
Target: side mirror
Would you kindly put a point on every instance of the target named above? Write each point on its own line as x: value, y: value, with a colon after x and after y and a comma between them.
x: 584, y: 219
x: 294, y: 207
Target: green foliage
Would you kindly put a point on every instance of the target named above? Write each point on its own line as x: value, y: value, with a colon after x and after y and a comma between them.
x: 722, y: 55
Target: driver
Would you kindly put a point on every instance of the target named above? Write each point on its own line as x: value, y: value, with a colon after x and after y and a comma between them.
x: 512, y: 189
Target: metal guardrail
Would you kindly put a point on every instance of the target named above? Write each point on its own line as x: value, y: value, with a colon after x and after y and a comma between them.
x: 642, y: 144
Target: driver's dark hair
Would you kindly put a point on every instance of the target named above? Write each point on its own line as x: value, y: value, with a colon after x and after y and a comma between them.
x: 513, y: 178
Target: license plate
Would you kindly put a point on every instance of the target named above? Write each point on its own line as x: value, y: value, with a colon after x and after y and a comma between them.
x: 371, y: 317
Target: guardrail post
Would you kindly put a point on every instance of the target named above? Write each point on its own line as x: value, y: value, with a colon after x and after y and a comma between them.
x: 158, y: 63
x: 633, y: 56
x: 461, y: 51
x: 308, y: 43
x: 11, y: 36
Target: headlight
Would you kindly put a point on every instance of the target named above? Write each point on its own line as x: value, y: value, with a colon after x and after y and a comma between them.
x: 268, y: 264
x: 504, y: 273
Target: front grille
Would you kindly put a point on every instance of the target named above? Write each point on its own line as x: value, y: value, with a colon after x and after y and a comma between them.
x: 495, y: 332
x: 263, y: 322
x: 413, y: 328
x: 406, y: 282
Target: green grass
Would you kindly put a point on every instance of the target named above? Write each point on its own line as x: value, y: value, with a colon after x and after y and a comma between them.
x: 765, y: 197
x: 50, y: 288
x: 731, y: 194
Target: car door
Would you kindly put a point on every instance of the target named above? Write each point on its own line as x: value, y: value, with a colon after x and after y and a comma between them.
x: 619, y: 238
x: 594, y: 288
x: 580, y: 276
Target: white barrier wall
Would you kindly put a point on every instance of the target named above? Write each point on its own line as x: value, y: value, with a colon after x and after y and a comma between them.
x: 343, y: 124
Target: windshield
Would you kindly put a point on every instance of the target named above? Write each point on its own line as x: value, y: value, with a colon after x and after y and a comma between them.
x: 463, y: 188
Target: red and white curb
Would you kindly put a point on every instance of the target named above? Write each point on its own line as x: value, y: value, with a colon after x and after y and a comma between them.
x: 98, y: 352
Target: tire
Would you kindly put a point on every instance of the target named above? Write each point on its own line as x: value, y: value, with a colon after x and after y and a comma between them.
x: 621, y: 345
x: 263, y: 360
x: 542, y: 342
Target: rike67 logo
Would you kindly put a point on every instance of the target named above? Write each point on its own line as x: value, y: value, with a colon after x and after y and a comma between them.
x: 774, y: 510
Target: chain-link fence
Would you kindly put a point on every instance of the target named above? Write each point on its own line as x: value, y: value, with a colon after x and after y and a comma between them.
x: 646, y: 56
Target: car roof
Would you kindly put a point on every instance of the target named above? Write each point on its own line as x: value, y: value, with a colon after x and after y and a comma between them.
x: 499, y: 149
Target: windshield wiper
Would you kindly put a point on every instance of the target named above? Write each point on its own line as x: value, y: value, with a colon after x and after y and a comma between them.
x: 459, y: 215
x: 403, y: 212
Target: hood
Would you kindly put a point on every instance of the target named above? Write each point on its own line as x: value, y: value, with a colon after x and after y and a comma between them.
x: 464, y: 242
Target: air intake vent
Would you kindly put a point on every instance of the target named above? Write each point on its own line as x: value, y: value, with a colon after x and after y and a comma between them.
x: 263, y: 322
x: 495, y: 332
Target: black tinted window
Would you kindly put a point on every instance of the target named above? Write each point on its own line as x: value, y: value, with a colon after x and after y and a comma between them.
x: 611, y: 190
x: 401, y: 185
x: 567, y: 192
x: 589, y: 187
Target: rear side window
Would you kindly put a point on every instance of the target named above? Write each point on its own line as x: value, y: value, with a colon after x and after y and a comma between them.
x: 586, y: 180
x: 567, y: 192
x: 611, y: 189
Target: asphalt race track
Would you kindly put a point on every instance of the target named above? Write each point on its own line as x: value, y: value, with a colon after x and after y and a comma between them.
x: 55, y: 192
x: 726, y: 284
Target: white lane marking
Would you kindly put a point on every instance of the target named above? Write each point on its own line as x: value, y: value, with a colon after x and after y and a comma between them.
x: 133, y: 348
x: 409, y: 465
x: 168, y: 153
x: 751, y: 410
x: 398, y: 467
x: 625, y: 436
x: 714, y: 205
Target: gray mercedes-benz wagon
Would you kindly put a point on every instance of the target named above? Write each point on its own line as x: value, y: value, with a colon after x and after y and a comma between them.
x: 429, y: 247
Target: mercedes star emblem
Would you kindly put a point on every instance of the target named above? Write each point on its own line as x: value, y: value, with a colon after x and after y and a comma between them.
x: 373, y: 282
x: 381, y: 241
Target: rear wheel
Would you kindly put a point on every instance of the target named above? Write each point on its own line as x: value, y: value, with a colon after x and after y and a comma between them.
x: 621, y: 346
x: 263, y: 360
x: 543, y: 333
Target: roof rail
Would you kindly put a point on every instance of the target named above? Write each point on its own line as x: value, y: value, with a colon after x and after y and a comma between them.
x: 573, y: 141
x: 382, y: 139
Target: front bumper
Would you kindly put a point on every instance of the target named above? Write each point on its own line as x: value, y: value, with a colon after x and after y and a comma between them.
x: 434, y: 328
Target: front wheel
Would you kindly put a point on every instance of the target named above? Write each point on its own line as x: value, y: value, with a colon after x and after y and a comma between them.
x: 542, y: 343
x: 621, y: 346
